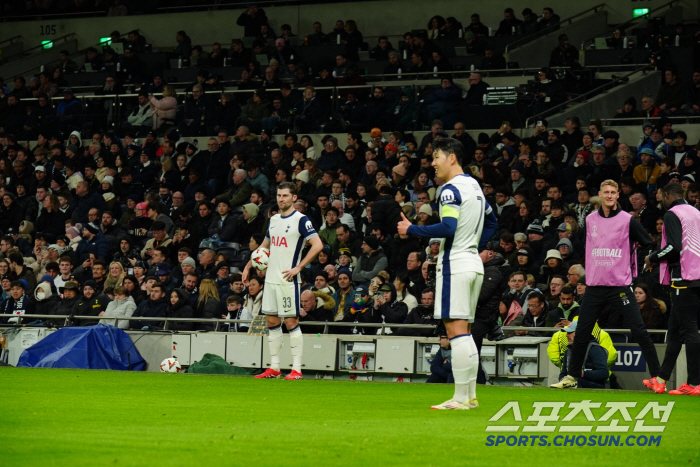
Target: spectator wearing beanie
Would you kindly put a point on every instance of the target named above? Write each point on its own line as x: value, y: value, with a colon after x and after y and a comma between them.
x: 18, y: 303
x: 92, y: 303
x: 93, y: 241
x: 371, y: 262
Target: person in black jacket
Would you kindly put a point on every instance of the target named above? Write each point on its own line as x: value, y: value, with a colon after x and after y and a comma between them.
x: 536, y: 315
x: 510, y: 25
x: 316, y: 306
x: 441, y: 365
x: 549, y: 91
x: 251, y: 19
x: 10, y: 213
x: 223, y: 225
x: 486, y: 316
x: 424, y: 313
x: 389, y: 309
x: 386, y: 211
x: 90, y: 304
x: 51, y: 220
x: 18, y: 303
x: 156, y: 306
x: 46, y: 297
x: 66, y: 306
x: 371, y: 262
x: 179, y: 307
x: 207, y: 305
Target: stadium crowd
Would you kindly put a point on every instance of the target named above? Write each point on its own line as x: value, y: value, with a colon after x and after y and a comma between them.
x: 126, y: 226
x: 277, y: 89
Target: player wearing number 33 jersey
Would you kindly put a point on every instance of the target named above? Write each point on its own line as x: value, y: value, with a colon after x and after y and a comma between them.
x: 287, y: 236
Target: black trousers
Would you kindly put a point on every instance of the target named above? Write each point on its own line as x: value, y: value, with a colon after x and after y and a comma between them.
x: 480, y: 329
x: 683, y: 329
x: 597, y: 297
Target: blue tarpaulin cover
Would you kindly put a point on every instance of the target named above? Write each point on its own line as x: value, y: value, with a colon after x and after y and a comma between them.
x: 99, y: 347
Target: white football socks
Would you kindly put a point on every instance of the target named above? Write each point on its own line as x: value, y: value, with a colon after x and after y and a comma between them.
x: 296, y: 345
x: 461, y: 366
x: 275, y: 342
x: 473, y: 367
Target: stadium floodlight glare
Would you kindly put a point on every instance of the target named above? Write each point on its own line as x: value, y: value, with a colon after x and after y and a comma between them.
x: 637, y: 12
x: 46, y: 44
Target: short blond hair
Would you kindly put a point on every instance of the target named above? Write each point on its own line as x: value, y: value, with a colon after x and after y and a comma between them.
x: 611, y: 183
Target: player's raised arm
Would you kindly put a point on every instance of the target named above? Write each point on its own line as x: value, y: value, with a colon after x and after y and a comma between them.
x: 246, y: 270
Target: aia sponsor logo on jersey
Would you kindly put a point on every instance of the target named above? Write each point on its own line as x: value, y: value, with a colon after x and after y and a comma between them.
x: 278, y: 241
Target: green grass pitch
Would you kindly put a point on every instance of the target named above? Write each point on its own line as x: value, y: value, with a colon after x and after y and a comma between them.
x: 94, y: 418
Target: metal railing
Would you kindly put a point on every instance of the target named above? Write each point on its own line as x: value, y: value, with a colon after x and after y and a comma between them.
x: 505, y: 72
x: 231, y: 5
x: 326, y: 324
x: 73, y: 14
x: 583, y: 97
x: 677, y: 119
x: 11, y: 39
x: 552, y: 28
x: 63, y: 38
x: 631, y: 22
x: 102, y: 118
x: 77, y: 54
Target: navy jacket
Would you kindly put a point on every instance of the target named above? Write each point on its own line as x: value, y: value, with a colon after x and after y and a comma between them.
x: 98, y: 245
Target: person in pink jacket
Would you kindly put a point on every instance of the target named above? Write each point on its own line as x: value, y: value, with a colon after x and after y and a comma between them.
x: 164, y: 109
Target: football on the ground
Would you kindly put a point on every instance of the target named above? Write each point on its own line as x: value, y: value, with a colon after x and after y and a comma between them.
x: 259, y: 258
x: 170, y: 365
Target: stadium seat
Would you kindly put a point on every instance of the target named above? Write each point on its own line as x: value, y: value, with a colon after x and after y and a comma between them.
x: 320, y: 55
x: 448, y: 46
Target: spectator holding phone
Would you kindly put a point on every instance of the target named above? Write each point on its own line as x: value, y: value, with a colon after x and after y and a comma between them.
x: 565, y: 312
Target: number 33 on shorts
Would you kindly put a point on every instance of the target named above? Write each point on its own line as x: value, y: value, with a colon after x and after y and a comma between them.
x: 281, y: 299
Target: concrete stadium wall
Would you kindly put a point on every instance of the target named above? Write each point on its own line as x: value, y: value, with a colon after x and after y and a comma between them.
x: 537, y: 53
x: 604, y: 105
x: 373, y: 18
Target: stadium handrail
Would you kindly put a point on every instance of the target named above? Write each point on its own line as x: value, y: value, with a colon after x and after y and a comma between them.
x: 11, y: 39
x: 507, y: 72
x: 72, y: 14
x: 594, y: 92
x: 242, y: 4
x: 512, y: 72
x: 64, y: 38
x: 629, y: 23
x: 78, y: 53
x: 552, y: 28
x: 381, y: 326
x: 680, y: 119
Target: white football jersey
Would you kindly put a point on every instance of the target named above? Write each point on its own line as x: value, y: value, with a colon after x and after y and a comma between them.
x: 460, y: 253
x: 287, y: 236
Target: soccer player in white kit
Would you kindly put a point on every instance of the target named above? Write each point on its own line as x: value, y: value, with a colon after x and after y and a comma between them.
x: 285, y: 238
x: 460, y: 270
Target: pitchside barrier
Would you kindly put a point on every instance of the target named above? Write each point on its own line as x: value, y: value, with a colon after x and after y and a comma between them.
x: 338, y: 353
